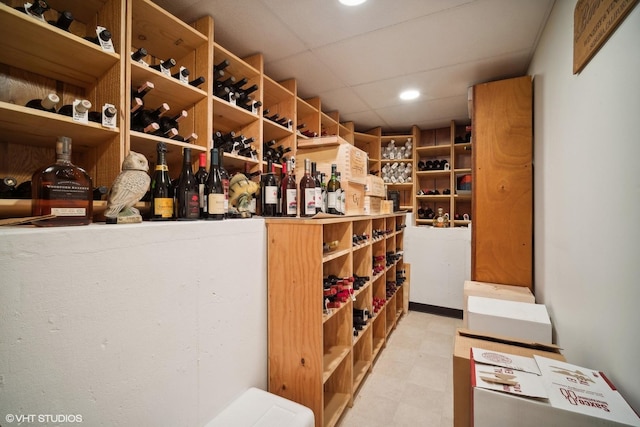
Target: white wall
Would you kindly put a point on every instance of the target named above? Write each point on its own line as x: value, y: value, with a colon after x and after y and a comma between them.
x: 153, y: 324
x: 587, y: 197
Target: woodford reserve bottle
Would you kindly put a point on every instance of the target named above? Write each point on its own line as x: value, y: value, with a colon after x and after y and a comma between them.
x: 63, y: 190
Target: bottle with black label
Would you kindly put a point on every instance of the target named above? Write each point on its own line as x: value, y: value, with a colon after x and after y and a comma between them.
x: 201, y: 179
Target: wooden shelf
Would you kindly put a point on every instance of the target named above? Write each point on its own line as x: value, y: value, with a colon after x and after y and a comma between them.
x: 360, y: 370
x: 335, y: 403
x: 333, y: 356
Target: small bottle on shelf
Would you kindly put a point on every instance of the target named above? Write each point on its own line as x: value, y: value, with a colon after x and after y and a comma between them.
x: 48, y: 103
x: 37, y: 9
x: 161, y: 188
x: 165, y: 66
x: 62, y: 189
x: 102, y: 38
x: 215, y: 189
x: 307, y: 192
x: 197, y: 81
x: 78, y: 110
x: 187, y: 199
x: 201, y: 178
x: 139, y: 54
x: 64, y: 20
x: 441, y: 220
x: 182, y: 75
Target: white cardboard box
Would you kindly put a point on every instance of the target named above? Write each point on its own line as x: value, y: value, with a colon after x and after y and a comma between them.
x: 494, y: 290
x: 563, y: 395
x: 510, y: 318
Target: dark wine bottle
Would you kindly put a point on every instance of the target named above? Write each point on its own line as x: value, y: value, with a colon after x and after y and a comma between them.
x: 318, y: 199
x: 187, y: 197
x: 222, y: 65
x: 100, y: 192
x: 164, y: 66
x: 197, y: 81
x: 289, y: 191
x: 48, y: 103
x: 8, y: 187
x: 201, y: 178
x: 269, y: 194
x: 64, y: 20
x: 224, y: 176
x: 80, y: 108
x: 214, y: 189
x: 333, y: 187
x: 139, y: 54
x: 161, y: 189
x: 104, y: 35
x: 307, y: 192
x: 36, y: 9
x: 183, y: 74
x: 141, y: 91
x: 96, y: 116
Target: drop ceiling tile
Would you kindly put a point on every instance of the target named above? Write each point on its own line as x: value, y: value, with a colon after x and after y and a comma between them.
x: 343, y: 99
x: 440, y: 111
x: 312, y: 76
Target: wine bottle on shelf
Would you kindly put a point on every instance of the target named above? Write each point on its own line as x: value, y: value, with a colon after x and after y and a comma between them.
x: 77, y: 110
x: 214, y: 189
x: 161, y: 188
x: 8, y: 187
x: 224, y: 176
x: 23, y: 190
x: 167, y: 123
x: 197, y: 81
x: 269, y: 192
x: 151, y: 128
x: 332, y: 192
x: 318, y: 189
x: 141, y: 91
x: 102, y: 37
x: 273, y: 117
x: 187, y: 196
x: 64, y: 20
x: 106, y: 115
x: 182, y: 75
x: 222, y: 65
x: 48, y: 103
x: 62, y: 189
x: 289, y: 191
x: 139, y: 54
x: 301, y: 126
x: 165, y: 66
x: 201, y: 178
x: 37, y: 9
x: 323, y: 181
x: 137, y: 105
x: 340, y: 196
x: 307, y: 192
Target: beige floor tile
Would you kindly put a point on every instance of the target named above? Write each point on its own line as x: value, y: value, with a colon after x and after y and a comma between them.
x: 411, y: 381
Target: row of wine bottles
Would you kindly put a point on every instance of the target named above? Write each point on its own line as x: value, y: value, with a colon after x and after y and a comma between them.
x: 165, y: 67
x: 232, y: 90
x: 38, y: 8
x: 238, y: 145
x: 79, y: 110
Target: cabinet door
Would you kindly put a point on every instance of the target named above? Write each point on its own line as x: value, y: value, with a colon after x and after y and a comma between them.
x: 503, y: 182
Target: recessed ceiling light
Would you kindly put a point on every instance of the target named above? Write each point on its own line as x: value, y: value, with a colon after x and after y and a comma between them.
x: 352, y: 2
x: 408, y: 95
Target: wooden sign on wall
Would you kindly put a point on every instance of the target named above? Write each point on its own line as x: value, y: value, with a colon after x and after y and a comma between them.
x: 593, y: 22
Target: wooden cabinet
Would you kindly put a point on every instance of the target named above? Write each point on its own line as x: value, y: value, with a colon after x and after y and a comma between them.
x: 502, y: 232
x: 443, y: 161
x: 314, y: 357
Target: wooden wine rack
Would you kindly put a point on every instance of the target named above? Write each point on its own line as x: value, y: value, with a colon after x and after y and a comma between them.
x: 313, y: 357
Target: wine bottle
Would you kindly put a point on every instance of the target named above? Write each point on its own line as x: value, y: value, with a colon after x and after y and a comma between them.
x: 323, y: 181
x: 109, y: 112
x: 332, y: 192
x: 214, y: 189
x: 318, y: 189
x: 167, y: 123
x: 340, y: 196
x: 36, y: 9
x: 197, y: 81
x: 161, y: 189
x: 269, y: 192
x: 48, y: 103
x: 62, y: 189
x: 186, y: 192
x: 289, y: 191
x: 23, y: 190
x: 104, y: 35
x: 164, y: 66
x: 201, y: 178
x: 307, y: 192
x: 224, y: 176
x: 221, y: 66
x: 8, y: 187
x: 139, y: 54
x: 64, y: 20
x: 182, y: 75
x: 75, y: 109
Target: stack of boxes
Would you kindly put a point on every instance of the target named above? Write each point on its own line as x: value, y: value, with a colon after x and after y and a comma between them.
x: 374, y: 194
x: 507, y: 371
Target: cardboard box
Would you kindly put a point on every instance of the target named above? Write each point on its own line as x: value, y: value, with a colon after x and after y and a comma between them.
x: 510, y: 318
x: 386, y: 207
x: 374, y: 187
x: 539, y: 391
x: 354, y: 197
x: 372, y: 205
x: 349, y: 159
x: 464, y: 341
x: 494, y: 290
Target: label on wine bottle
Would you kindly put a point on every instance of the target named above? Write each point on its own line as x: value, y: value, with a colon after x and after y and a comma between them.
x: 106, y: 45
x: 163, y: 207
x: 216, y: 203
x: 79, y: 115
x: 108, y: 122
x: 310, y: 203
x: 292, y: 204
x: 271, y: 194
x: 331, y: 199
x: 69, y: 211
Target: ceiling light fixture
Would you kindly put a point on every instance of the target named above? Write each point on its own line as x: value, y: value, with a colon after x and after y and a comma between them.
x: 352, y: 2
x: 410, y: 94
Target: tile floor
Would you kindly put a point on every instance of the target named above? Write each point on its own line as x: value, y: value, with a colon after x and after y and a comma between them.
x: 411, y: 382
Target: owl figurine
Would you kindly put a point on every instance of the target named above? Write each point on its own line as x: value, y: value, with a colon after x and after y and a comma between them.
x: 127, y: 189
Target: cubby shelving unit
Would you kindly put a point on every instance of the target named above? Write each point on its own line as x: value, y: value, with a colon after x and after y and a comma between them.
x: 314, y: 357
